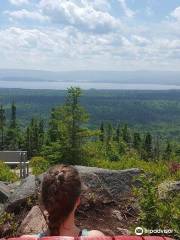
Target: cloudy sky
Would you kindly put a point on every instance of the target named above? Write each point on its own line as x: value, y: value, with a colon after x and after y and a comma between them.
x: 90, y: 34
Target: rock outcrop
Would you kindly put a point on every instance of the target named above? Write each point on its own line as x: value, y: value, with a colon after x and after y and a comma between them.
x: 168, y: 187
x: 34, y: 222
x: 4, y: 192
x: 105, y: 201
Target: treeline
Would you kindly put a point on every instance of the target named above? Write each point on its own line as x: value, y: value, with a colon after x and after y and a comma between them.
x: 67, y: 139
x: 13, y: 138
x: 157, y: 111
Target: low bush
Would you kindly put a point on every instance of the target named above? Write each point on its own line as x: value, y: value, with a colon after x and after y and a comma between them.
x: 155, y: 212
x: 6, y: 174
x: 39, y: 165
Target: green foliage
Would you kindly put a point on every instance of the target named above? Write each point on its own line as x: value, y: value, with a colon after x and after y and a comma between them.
x: 155, y: 212
x: 6, y: 174
x: 52, y: 152
x: 39, y: 165
x: 66, y: 130
x: 34, y: 137
x: 2, y: 126
x: 8, y: 219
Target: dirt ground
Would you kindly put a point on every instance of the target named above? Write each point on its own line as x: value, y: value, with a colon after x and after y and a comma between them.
x: 101, y: 217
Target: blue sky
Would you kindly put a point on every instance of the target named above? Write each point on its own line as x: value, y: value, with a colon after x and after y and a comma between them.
x: 90, y: 34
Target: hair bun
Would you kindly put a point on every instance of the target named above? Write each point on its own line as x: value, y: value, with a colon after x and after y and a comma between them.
x: 60, y: 177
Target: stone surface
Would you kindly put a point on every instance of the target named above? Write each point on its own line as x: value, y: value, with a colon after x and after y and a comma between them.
x: 168, y: 187
x: 4, y: 192
x: 33, y: 223
x: 107, y: 185
x: 123, y: 231
x: 26, y: 189
x: 13, y: 186
x: 104, y: 201
x: 1, y: 208
x: 117, y: 214
x: 117, y: 183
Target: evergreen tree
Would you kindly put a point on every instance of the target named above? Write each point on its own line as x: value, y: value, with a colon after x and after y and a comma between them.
x: 168, y: 152
x: 102, y: 133
x: 41, y: 133
x: 137, y: 141
x: 148, y: 146
x: 53, y: 133
x: 70, y: 120
x: 2, y: 126
x: 109, y: 133
x: 34, y: 137
x: 118, y: 133
x: 13, y: 123
x: 157, y: 149
x: 13, y: 137
x: 126, y: 134
x: 28, y: 145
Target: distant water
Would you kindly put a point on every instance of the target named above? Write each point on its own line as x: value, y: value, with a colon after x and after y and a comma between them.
x: 84, y: 85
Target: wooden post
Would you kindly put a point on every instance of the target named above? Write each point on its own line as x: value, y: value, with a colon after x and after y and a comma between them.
x: 21, y: 161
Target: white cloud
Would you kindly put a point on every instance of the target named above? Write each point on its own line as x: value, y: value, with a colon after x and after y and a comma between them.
x: 176, y: 13
x: 68, y: 48
x: 25, y: 14
x: 102, y: 5
x: 79, y: 14
x: 141, y: 41
x: 128, y: 12
x: 19, y: 2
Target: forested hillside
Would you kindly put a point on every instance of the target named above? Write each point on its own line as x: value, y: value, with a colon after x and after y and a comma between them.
x: 157, y: 111
x: 66, y: 138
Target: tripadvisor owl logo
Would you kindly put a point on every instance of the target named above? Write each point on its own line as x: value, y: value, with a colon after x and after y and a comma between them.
x: 139, y: 231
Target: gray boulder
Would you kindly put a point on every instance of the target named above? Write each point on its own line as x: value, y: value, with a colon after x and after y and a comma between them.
x: 21, y: 193
x: 167, y: 188
x: 104, y: 199
x: 106, y: 185
x: 116, y: 183
x: 4, y: 192
x: 33, y: 223
x: 1, y: 208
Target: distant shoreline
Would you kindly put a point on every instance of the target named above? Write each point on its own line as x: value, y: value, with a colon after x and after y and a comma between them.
x: 85, y: 85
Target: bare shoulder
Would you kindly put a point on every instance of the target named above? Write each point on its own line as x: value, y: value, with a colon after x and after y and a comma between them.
x: 95, y: 233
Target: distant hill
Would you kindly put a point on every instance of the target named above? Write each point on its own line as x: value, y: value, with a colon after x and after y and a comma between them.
x: 145, y: 77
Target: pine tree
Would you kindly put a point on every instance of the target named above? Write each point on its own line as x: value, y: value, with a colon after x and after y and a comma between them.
x: 13, y: 123
x: 13, y: 133
x: 168, y: 152
x: 109, y: 133
x: 41, y: 133
x: 2, y: 126
x: 137, y: 141
x: 34, y: 137
x: 157, y: 149
x: 102, y: 133
x: 126, y: 134
x: 53, y: 133
x: 118, y: 133
x: 148, y: 146
x: 70, y: 121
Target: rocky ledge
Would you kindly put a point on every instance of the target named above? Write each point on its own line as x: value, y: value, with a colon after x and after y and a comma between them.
x: 106, y: 204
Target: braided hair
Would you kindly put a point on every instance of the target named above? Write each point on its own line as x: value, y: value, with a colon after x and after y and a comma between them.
x: 61, y: 188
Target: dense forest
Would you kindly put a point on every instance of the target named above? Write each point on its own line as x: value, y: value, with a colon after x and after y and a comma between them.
x: 155, y: 111
x: 36, y: 132
x: 65, y: 137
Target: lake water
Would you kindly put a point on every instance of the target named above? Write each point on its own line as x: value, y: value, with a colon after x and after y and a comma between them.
x: 83, y: 85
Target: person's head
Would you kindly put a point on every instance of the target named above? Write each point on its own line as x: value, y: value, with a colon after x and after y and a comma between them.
x: 61, y: 188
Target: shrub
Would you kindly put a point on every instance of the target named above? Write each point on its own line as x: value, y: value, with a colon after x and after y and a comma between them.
x: 155, y: 212
x: 6, y: 174
x: 39, y: 165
